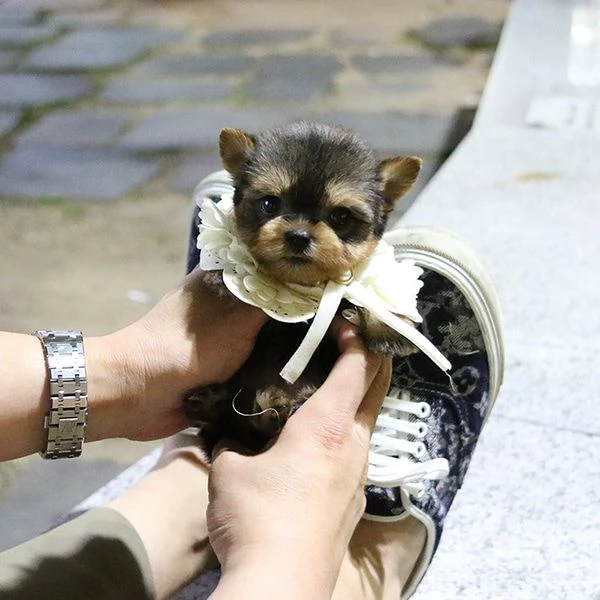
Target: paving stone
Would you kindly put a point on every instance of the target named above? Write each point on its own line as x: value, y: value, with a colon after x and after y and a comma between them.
x: 467, y: 31
x: 345, y: 38
x: 197, y: 65
x: 299, y: 64
x: 50, y: 5
x: 153, y: 91
x: 291, y: 88
x: 16, y: 36
x: 77, y: 128
x: 17, y: 19
x: 267, y: 37
x: 103, y: 16
x: 98, y: 48
x: 193, y: 169
x: 8, y: 120
x: 78, y: 173
x: 395, y: 133
x: 8, y: 59
x: 398, y: 95
x: 37, y: 90
x: 399, y: 63
x: 175, y: 130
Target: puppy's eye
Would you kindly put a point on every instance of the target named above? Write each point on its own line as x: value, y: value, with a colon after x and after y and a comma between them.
x: 340, y: 217
x: 270, y: 205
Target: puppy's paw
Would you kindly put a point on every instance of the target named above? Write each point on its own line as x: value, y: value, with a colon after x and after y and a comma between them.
x: 398, y: 347
x: 382, y: 339
x: 205, y: 404
x: 273, y: 406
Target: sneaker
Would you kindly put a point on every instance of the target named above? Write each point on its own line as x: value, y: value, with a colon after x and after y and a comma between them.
x: 429, y: 424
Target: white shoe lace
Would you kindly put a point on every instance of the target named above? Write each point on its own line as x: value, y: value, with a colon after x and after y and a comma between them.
x: 398, y: 441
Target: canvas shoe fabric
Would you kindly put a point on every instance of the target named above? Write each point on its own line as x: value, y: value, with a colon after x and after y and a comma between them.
x: 430, y: 423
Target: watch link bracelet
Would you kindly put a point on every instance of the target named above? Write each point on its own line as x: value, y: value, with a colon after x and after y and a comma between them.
x: 67, y: 417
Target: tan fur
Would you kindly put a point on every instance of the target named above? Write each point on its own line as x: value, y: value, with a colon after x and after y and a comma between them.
x: 398, y: 175
x: 327, y: 257
x: 382, y: 339
x: 234, y: 147
x: 340, y: 193
x: 271, y: 182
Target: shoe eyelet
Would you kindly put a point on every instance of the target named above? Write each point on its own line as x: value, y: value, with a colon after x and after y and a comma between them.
x: 420, y: 450
x: 425, y: 410
x: 421, y: 431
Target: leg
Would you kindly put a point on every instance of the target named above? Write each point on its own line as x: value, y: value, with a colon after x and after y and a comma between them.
x: 167, y: 508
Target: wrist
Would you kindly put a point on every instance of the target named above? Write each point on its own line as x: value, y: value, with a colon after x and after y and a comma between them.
x: 134, y: 390
x: 264, y: 570
x: 270, y: 575
x: 112, y: 378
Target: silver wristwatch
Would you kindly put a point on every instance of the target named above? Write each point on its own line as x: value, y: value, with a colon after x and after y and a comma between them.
x: 67, y: 417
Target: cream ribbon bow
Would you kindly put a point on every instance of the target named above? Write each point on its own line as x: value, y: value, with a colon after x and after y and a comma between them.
x: 384, y: 286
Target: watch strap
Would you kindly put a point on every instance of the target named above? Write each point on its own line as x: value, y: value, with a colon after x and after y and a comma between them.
x: 66, y: 420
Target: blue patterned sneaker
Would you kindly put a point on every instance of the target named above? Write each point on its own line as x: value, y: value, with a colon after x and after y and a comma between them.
x: 429, y: 425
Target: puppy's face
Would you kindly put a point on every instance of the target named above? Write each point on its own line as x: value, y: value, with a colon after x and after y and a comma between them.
x: 305, y: 237
x: 311, y: 202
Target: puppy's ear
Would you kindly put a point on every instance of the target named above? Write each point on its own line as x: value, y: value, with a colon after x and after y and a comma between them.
x: 397, y: 176
x: 235, y: 147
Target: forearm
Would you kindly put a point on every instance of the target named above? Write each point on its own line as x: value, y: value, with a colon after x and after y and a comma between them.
x: 137, y: 376
x: 25, y: 393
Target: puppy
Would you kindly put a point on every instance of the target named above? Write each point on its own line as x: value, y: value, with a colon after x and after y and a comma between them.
x: 311, y: 202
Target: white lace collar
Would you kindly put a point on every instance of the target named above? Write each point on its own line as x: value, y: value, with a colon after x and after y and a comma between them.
x: 386, y: 287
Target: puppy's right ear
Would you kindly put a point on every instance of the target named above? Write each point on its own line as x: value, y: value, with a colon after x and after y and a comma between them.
x: 397, y: 176
x: 235, y: 146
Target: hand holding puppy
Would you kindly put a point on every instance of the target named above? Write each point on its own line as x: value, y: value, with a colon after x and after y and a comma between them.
x: 262, y: 528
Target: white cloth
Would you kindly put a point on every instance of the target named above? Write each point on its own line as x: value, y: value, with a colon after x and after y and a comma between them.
x: 384, y: 286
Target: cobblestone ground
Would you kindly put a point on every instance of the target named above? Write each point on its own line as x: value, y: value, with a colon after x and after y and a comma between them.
x: 110, y: 111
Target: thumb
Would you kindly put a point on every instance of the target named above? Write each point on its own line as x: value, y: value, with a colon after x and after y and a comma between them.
x: 227, y: 445
x: 369, y: 408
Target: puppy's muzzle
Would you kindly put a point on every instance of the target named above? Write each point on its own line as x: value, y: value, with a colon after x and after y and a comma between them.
x: 298, y: 240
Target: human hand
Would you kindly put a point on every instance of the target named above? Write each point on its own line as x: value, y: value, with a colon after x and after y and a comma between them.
x: 284, y: 517
x: 193, y: 336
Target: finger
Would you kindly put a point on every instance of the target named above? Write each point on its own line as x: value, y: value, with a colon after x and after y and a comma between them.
x: 369, y: 409
x: 339, y: 326
x: 347, y: 335
x: 229, y: 445
x: 350, y: 378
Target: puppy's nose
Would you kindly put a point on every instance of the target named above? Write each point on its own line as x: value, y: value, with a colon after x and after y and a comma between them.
x: 298, y: 240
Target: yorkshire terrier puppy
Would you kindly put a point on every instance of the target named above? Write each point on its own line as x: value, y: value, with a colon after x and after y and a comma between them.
x: 311, y: 202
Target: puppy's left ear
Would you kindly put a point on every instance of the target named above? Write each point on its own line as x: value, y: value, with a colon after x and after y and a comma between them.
x: 397, y: 176
x: 235, y: 147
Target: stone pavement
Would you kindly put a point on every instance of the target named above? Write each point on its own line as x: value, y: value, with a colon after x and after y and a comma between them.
x: 109, y: 115
x: 103, y: 99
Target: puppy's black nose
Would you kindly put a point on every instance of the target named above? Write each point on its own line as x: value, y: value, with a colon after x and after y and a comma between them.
x: 298, y: 240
